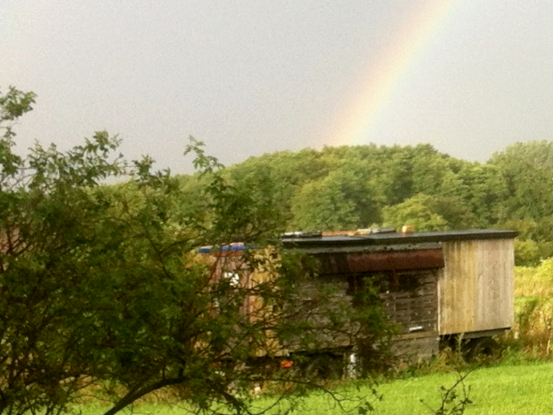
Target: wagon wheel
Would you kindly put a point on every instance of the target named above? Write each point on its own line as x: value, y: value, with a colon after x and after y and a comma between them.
x: 484, y: 348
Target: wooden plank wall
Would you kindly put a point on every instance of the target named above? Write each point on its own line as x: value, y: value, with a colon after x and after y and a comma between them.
x: 476, y: 287
x: 411, y: 300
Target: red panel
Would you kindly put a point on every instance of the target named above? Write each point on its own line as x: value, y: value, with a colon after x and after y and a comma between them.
x: 360, y: 262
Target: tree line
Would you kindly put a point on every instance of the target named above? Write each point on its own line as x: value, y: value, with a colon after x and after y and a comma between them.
x: 352, y: 187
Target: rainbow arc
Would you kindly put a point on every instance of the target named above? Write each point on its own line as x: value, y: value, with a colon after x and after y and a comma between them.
x: 356, y: 124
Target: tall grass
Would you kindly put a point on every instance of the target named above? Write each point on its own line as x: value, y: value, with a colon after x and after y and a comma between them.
x: 533, y: 331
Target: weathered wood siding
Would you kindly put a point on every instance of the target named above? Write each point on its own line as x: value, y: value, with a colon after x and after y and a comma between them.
x: 410, y: 300
x: 475, y: 288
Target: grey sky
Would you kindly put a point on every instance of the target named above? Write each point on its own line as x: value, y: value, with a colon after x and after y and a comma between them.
x: 256, y: 76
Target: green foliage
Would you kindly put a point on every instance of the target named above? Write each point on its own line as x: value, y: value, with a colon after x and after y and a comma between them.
x: 484, y: 192
x: 527, y: 252
x: 325, y: 205
x: 341, y: 188
x: 15, y: 103
x: 429, y: 213
x: 528, y: 172
x: 48, y: 220
x: 101, y: 287
x: 532, y: 245
x: 276, y: 178
x: 533, y: 331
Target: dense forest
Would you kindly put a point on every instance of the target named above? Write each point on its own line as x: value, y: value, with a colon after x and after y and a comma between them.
x: 352, y: 187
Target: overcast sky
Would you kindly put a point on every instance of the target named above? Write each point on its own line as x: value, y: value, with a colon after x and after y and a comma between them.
x: 255, y: 76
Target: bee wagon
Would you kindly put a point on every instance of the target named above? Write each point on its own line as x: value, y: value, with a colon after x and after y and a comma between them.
x: 440, y: 288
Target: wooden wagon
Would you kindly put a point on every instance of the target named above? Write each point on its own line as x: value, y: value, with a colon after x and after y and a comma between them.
x: 441, y: 288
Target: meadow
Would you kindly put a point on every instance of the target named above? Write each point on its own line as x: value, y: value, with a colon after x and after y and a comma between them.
x: 519, y: 389
x: 499, y: 390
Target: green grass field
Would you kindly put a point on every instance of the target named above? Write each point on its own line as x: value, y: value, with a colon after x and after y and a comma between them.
x: 525, y: 389
x: 513, y: 386
x: 505, y: 390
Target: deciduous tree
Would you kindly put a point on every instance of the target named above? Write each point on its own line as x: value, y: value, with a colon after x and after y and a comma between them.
x: 103, y: 285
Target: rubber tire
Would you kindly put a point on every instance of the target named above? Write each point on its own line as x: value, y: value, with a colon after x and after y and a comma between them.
x: 324, y: 367
x: 481, y: 348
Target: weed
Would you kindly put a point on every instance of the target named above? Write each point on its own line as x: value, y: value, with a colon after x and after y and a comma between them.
x: 455, y: 399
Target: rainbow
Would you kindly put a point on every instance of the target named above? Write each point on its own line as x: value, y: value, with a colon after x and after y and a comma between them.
x: 355, y: 125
